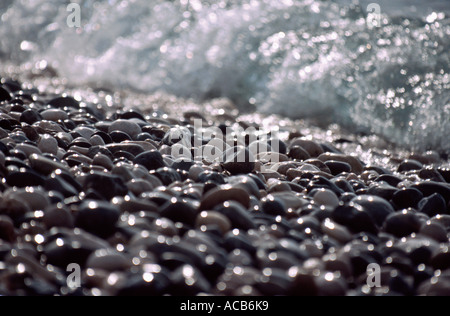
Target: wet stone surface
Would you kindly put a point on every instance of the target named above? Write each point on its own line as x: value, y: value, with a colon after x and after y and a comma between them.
x: 123, y: 194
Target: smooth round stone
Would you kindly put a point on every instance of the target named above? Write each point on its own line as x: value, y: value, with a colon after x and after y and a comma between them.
x: 408, y: 165
x: 28, y: 149
x: 119, y: 136
x: 139, y: 186
x: 239, y: 217
x: 4, y: 95
x: 355, y: 218
x: 7, y: 230
x: 178, y: 210
x: 44, y: 165
x: 375, y: 206
x: 126, y: 126
x: 97, y: 217
x: 390, y: 179
x: 352, y: 161
x: 443, y: 219
x: 24, y: 178
x: 441, y: 260
x: 273, y: 206
x: 107, y: 185
x: 336, y: 231
x: 313, y: 149
x: 326, y: 197
x: 435, y: 231
x: 238, y: 160
x: 54, y: 115
x: 48, y: 144
x: 444, y: 171
x: 55, y: 216
x: 167, y: 175
x: 102, y: 160
x: 109, y: 260
x: 65, y: 101
x: 30, y: 117
x: 338, y: 167
x: 35, y: 198
x: 407, y: 197
x: 151, y: 160
x: 436, y: 286
x: 433, y: 205
x: 298, y: 153
x: 213, y: 218
x: 432, y: 174
x: 222, y: 194
x: 381, y: 189
x: 402, y: 224
x: 430, y: 187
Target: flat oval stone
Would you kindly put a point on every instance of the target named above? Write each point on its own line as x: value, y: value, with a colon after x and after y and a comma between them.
x: 178, y: 210
x: 55, y: 216
x: 407, y: 197
x: 24, y: 179
x: 45, y: 165
x: 151, y: 160
x: 48, y: 144
x: 298, y: 153
x: 402, y: 224
x: 408, y: 165
x: 313, y: 149
x: 430, y: 187
x: 54, y: 115
x: 238, y: 160
x: 223, y: 194
x: 34, y: 197
x: 239, y: 217
x: 107, y: 185
x: 355, y: 218
x: 30, y: 117
x: 326, y: 197
x: 7, y: 231
x: 213, y: 218
x: 108, y: 259
x: 62, y: 102
x: 273, y: 206
x: 28, y: 149
x: 435, y: 231
x: 97, y: 217
x: 126, y: 126
x: 4, y: 95
x: 352, y: 161
x: 433, y: 205
x: 338, y: 167
x: 336, y: 231
x: 376, y: 207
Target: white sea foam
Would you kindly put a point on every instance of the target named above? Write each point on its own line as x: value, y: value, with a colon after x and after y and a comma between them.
x: 299, y: 58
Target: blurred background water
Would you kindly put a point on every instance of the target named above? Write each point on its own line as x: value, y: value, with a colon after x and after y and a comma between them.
x: 298, y: 58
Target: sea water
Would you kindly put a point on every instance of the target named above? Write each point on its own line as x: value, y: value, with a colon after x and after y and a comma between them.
x: 323, y: 60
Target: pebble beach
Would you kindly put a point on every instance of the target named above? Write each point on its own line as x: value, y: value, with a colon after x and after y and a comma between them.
x: 88, y: 179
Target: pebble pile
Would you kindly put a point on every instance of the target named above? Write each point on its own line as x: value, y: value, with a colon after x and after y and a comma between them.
x: 99, y: 189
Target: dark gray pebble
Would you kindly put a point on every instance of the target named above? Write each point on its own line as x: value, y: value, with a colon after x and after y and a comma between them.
x: 402, y: 224
x: 98, y: 218
x: 151, y: 160
x: 408, y: 165
x: 375, y: 206
x: 433, y: 205
x: 407, y: 197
